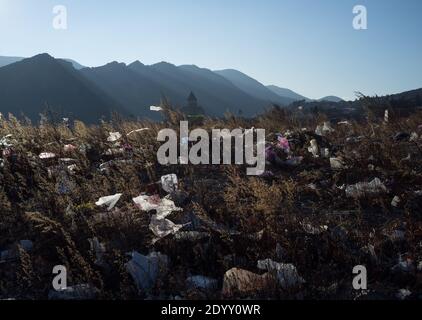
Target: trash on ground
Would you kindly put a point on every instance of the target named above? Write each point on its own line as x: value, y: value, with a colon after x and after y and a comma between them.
x: 114, y: 136
x: 169, y: 183
x: 366, y: 188
x: 146, y: 270
x: 110, y: 201
x: 47, y: 155
x: 287, y: 274
x: 238, y: 281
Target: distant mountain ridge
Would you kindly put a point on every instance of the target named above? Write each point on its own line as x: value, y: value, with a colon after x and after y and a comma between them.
x: 29, y: 85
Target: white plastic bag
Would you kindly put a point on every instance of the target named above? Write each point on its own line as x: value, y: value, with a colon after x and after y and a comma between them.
x: 109, y: 200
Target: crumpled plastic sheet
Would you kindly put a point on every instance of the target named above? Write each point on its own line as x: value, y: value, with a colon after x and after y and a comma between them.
x: 323, y: 129
x: 163, y: 207
x: 145, y: 270
x: 154, y: 108
x: 6, y: 141
x: 287, y: 275
x: 283, y: 143
x: 114, y: 136
x: 47, y: 155
x: 110, y: 201
x: 11, y: 254
x: 313, y: 148
x: 137, y: 130
x: 365, y: 188
x: 169, y: 183
x: 163, y: 227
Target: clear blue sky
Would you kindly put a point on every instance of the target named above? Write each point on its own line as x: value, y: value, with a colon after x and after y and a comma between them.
x: 309, y: 46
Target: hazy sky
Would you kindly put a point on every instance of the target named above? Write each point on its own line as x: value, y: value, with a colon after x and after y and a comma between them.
x: 308, y: 46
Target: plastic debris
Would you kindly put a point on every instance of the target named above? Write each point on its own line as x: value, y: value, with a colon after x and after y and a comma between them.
x: 145, y: 270
x: 283, y: 143
x: 163, y: 207
x: 6, y: 141
x: 201, y: 282
x: 238, y: 281
x: 154, y: 108
x: 365, y: 188
x: 47, y: 155
x: 402, y: 294
x: 77, y: 292
x: 169, y: 183
x: 114, y: 136
x: 413, y: 137
x: 325, y: 152
x: 337, y: 163
x: 313, y: 148
x: 110, y: 201
x: 287, y: 274
x: 69, y: 148
x: 137, y: 130
x: 386, y: 116
x: 163, y: 227
x: 396, y: 201
x: 323, y: 129
x: 404, y: 265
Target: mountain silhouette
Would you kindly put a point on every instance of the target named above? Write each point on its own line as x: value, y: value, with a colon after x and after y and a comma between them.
x: 4, y: 61
x: 253, y: 87
x: 283, y: 92
x: 331, y: 99
x: 216, y: 94
x: 133, y: 90
x: 30, y: 85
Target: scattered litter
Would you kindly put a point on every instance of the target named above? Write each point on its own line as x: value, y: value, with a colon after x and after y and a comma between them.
x: 77, y: 292
x: 169, y: 183
x: 137, y: 130
x: 238, y: 281
x: 163, y: 207
x: 314, y: 149
x: 201, y: 282
x: 154, y: 108
x: 396, y: 201
x: 365, y: 188
x: 386, y: 115
x: 146, y: 270
x: 323, y: 129
x: 69, y: 148
x: 163, y: 227
x: 325, y: 152
x: 402, y: 294
x: 114, y: 136
x: 414, y: 137
x: 310, y: 229
x: 344, y: 123
x: 283, y: 143
x: 337, y: 163
x: 191, y: 235
x: 6, y: 141
x: 47, y: 155
x: 110, y: 201
x: 287, y: 274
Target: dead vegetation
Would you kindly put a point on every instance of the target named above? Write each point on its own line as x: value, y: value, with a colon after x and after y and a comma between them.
x: 301, y: 213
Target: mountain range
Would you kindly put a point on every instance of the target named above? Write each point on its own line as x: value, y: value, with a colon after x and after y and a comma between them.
x: 29, y: 85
